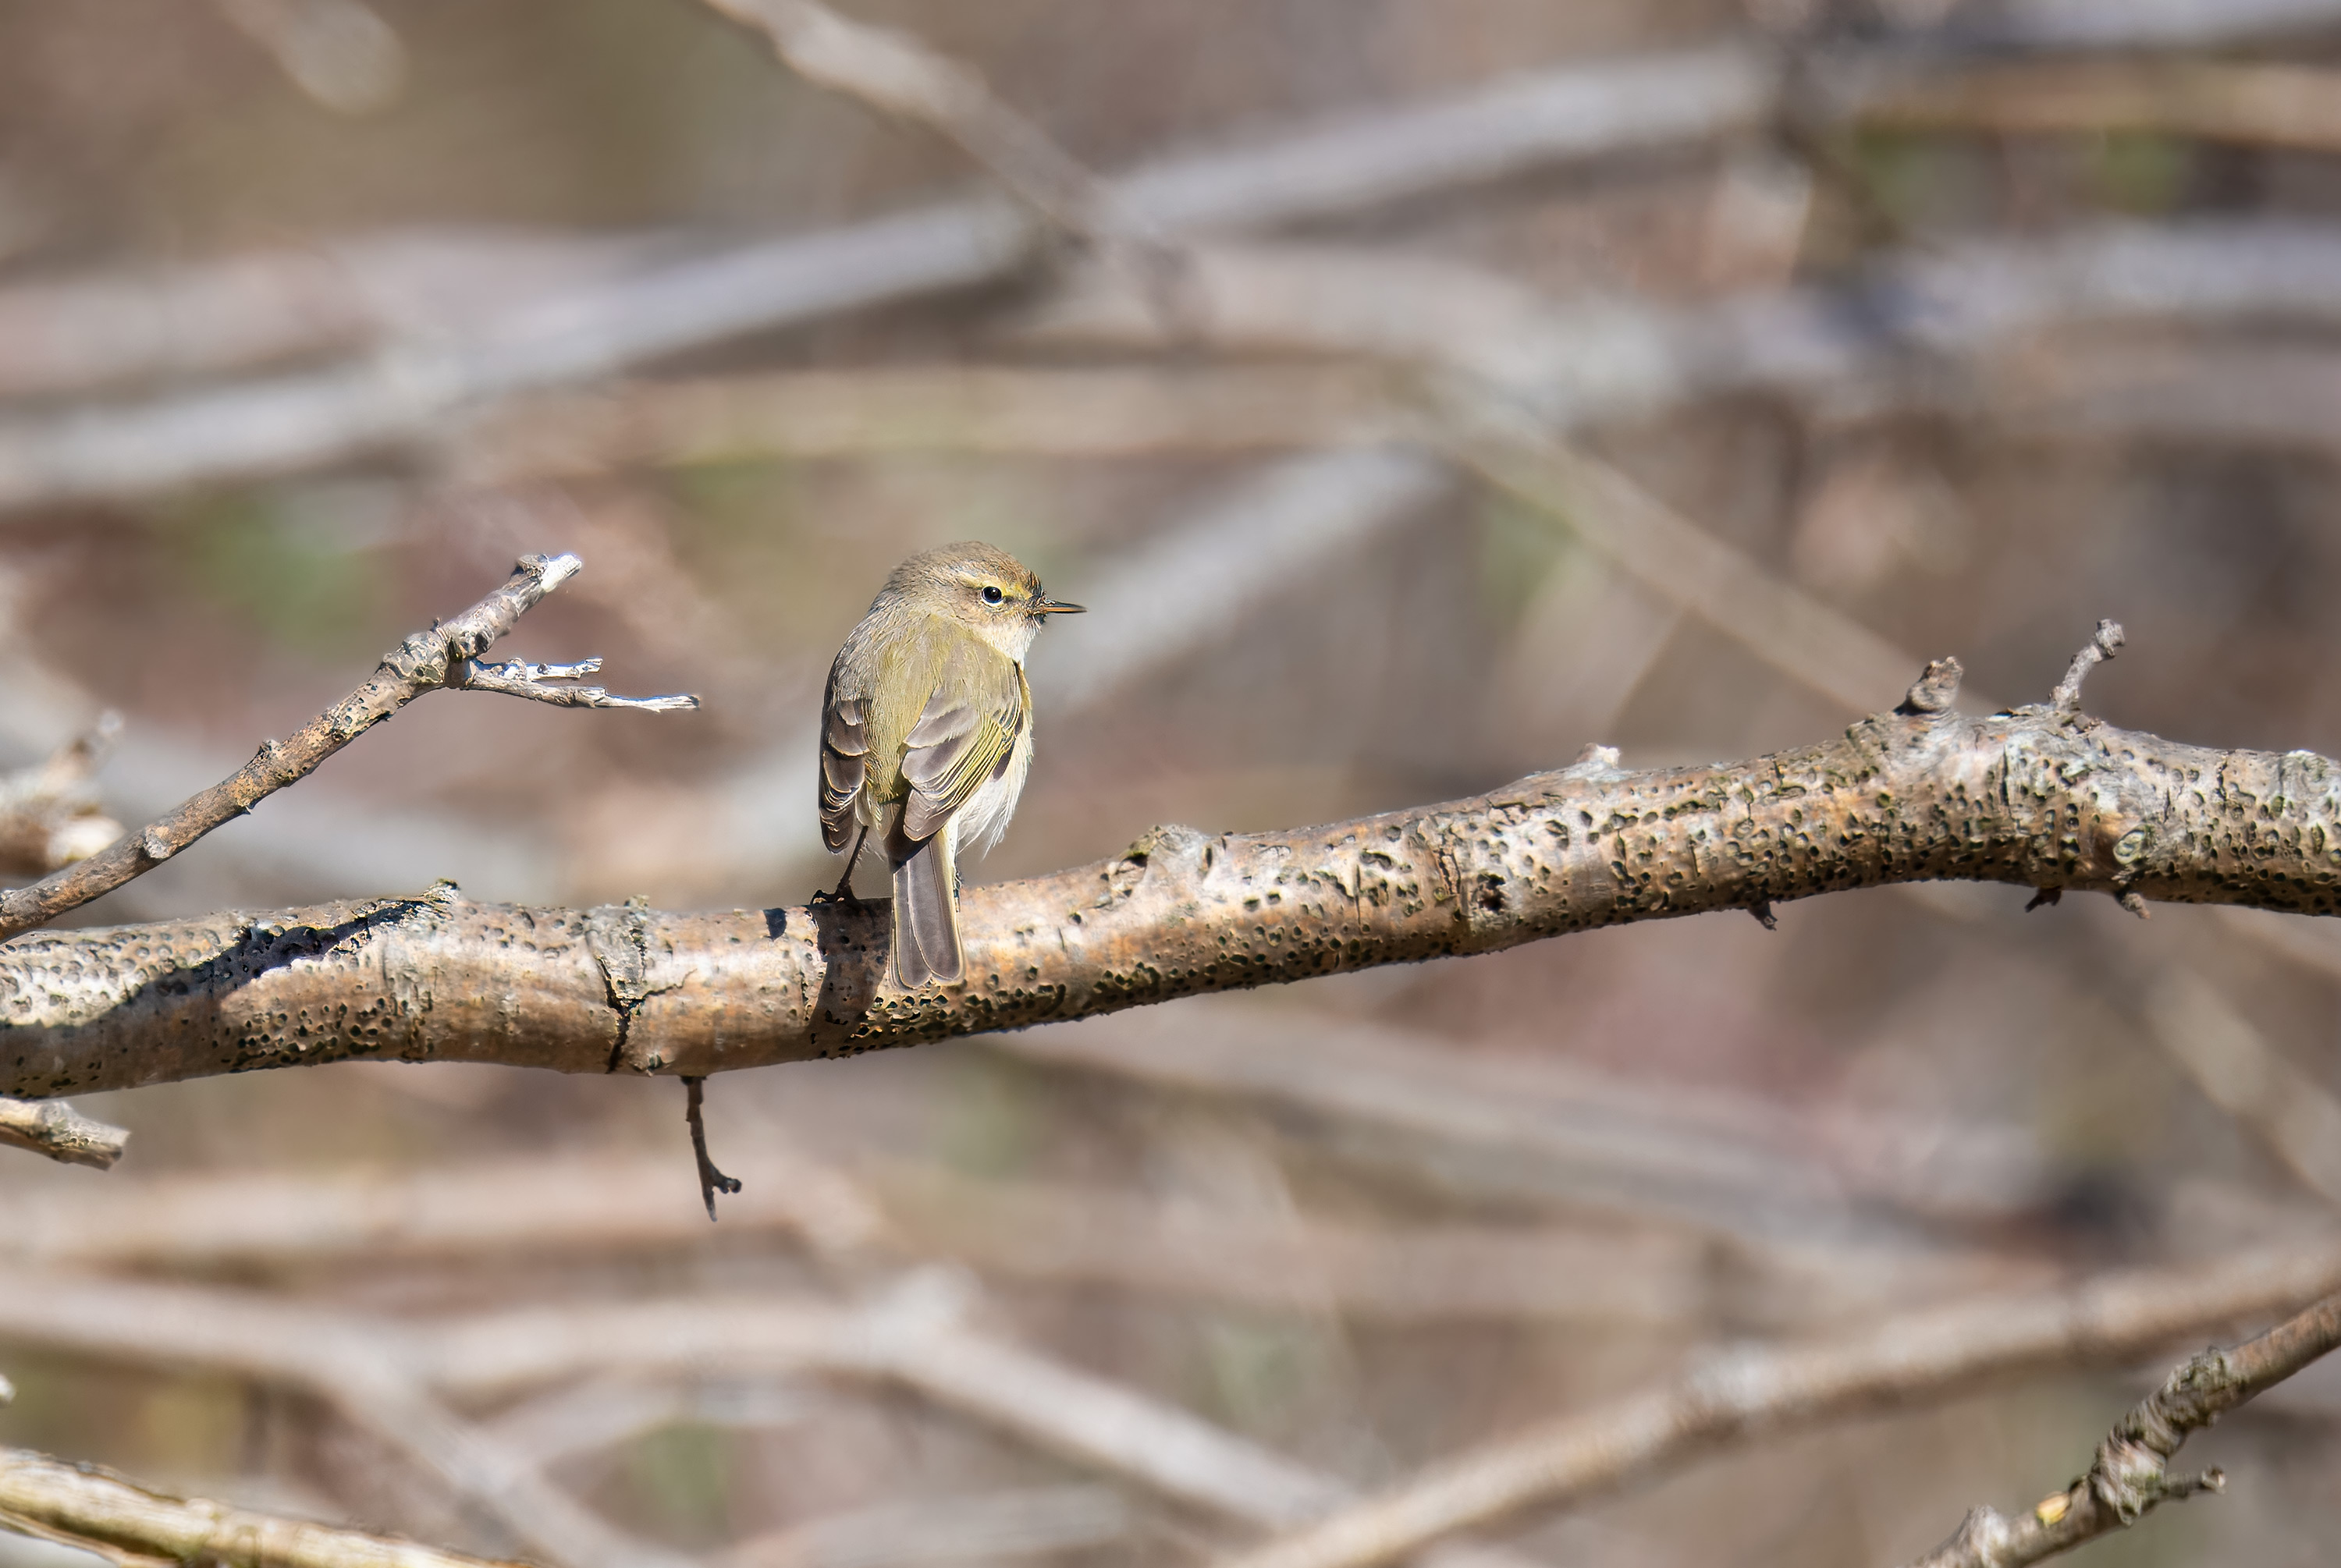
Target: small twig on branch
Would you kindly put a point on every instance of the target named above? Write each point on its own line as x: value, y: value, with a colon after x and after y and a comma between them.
x: 533, y: 683
x: 2102, y: 646
x: 83, y: 1506
x: 2131, y: 1474
x: 710, y: 1180
x: 445, y: 655
x: 1745, y: 1394
x: 54, y: 1128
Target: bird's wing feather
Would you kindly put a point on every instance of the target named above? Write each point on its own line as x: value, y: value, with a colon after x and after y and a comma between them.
x: 966, y: 735
x: 844, y: 764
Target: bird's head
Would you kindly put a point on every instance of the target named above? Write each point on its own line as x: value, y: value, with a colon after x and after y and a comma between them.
x: 983, y: 588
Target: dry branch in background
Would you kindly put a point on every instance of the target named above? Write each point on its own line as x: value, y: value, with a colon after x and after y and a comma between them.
x: 404, y: 392
x: 1032, y: 1231
x: 2253, y: 102
x: 340, y: 53
x: 1020, y: 411
x: 896, y: 72
x: 2034, y: 797
x: 49, y: 814
x: 363, y: 1369
x: 2131, y: 1474
x: 1741, y: 1395
x: 83, y: 1506
x: 386, y: 1375
x: 446, y: 655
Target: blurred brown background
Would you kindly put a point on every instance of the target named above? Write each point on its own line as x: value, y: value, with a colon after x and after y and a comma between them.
x: 1361, y: 1223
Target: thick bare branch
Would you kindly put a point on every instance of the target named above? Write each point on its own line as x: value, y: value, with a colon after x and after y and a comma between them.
x: 1745, y: 1393
x: 2033, y: 797
x: 2131, y: 1474
x: 81, y: 1505
x: 445, y: 655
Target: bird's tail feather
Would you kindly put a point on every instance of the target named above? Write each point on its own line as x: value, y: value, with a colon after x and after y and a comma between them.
x: 926, y: 915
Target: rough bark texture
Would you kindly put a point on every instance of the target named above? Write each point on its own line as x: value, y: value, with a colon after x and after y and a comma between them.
x: 2042, y: 797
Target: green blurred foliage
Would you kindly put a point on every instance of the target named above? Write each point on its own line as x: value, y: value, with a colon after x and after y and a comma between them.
x: 679, y: 1479
x: 297, y: 565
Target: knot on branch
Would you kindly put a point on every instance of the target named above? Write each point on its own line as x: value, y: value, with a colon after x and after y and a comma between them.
x: 2102, y: 644
x: 1596, y: 761
x: 2132, y: 1470
x: 1986, y: 1536
x: 1934, y: 690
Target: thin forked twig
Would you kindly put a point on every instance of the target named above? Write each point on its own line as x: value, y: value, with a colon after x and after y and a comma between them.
x: 2102, y: 646
x: 710, y: 1180
x: 444, y: 655
x: 2131, y: 1474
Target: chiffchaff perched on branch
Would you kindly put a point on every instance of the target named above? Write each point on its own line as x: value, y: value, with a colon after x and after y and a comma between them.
x: 926, y: 732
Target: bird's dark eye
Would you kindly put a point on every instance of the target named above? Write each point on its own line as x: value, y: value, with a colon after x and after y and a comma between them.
x: 991, y: 594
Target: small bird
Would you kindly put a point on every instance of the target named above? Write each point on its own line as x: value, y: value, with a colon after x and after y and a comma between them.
x: 926, y: 733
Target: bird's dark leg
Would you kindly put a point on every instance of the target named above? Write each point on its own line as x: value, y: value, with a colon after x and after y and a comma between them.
x: 845, y: 894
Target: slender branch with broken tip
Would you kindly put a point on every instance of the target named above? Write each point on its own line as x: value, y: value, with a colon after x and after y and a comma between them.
x: 83, y: 1506
x: 2131, y: 1473
x: 444, y: 655
x: 54, y: 1128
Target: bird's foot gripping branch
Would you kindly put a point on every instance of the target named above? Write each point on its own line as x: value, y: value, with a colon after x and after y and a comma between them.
x: 2041, y: 797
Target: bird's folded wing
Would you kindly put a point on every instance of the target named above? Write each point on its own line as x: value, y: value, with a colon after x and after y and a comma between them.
x: 966, y: 735
x: 844, y: 752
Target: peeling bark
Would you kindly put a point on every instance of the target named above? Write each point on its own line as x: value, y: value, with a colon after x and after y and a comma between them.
x: 2042, y: 797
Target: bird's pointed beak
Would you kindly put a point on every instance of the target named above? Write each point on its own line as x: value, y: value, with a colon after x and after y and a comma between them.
x: 1058, y: 607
